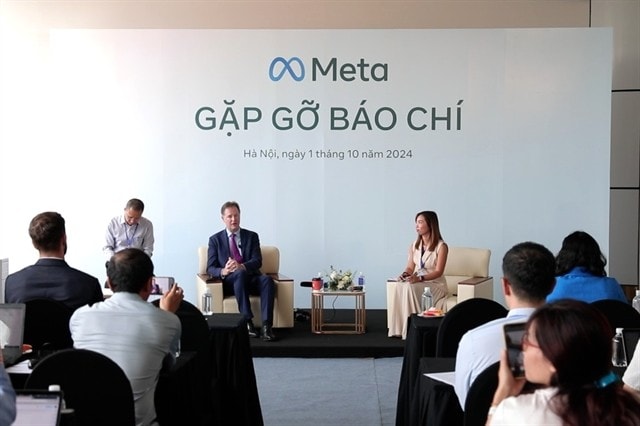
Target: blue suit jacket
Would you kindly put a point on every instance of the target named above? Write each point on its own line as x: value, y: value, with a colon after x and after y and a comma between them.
x: 219, y: 252
x: 53, y: 279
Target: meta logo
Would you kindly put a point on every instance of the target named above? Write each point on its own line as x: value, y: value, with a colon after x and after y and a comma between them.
x: 295, y: 69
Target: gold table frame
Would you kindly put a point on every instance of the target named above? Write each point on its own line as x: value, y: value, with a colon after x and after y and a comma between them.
x: 318, y: 326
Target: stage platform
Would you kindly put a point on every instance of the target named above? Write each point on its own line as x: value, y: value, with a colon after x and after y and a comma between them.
x: 299, y: 342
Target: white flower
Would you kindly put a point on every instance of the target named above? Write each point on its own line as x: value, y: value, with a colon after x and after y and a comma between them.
x: 339, y: 280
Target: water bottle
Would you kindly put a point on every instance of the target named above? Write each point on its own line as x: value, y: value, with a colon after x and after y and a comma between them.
x: 361, y: 281
x: 636, y: 301
x: 427, y: 299
x: 619, y: 355
x: 63, y: 405
x: 206, y: 302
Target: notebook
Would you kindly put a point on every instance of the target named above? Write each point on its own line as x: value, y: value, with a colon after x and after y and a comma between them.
x: 37, y: 407
x: 630, y: 337
x: 11, y: 331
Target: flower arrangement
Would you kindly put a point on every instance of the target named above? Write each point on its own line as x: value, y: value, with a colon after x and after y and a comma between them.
x: 339, y: 280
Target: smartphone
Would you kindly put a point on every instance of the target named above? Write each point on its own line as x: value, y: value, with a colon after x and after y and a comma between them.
x: 513, y: 342
x: 161, y: 284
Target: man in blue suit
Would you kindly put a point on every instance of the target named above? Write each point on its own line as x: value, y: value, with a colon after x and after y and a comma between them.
x: 51, y: 277
x: 235, y: 257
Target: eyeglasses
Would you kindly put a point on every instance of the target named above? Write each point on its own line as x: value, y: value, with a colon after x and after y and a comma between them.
x: 526, y: 342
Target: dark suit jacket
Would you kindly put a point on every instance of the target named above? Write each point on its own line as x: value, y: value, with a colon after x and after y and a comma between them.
x: 219, y: 252
x: 53, y: 279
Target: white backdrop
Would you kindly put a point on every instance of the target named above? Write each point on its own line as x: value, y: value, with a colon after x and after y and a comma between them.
x: 91, y: 118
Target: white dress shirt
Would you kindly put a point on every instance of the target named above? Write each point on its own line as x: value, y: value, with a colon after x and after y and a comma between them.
x: 136, y: 335
x: 481, y: 347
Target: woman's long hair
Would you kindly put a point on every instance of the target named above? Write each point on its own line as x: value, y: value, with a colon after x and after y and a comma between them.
x: 576, y: 338
x: 580, y: 249
x: 435, y: 236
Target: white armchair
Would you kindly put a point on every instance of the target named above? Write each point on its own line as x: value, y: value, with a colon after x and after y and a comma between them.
x: 467, y: 274
x: 283, y: 301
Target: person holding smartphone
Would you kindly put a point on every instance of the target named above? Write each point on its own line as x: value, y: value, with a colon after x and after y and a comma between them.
x: 567, y: 352
x: 129, y: 330
x: 528, y: 277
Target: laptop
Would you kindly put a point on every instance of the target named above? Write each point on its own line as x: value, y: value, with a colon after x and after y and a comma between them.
x: 11, y: 331
x: 38, y: 407
x: 630, y: 337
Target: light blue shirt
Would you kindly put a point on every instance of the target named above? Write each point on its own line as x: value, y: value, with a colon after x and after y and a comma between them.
x: 120, y: 235
x: 481, y: 347
x: 579, y: 284
x: 7, y: 398
x: 136, y: 335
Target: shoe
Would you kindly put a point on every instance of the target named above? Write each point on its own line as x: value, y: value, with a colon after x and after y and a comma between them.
x: 251, y: 329
x: 267, y: 333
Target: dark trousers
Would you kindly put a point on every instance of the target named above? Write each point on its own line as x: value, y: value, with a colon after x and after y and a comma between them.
x: 242, y: 285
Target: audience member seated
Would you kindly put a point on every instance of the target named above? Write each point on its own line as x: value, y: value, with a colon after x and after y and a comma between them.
x: 7, y: 396
x: 631, y: 376
x: 51, y: 277
x: 425, y: 268
x: 567, y: 352
x: 581, y: 274
x: 136, y: 335
x: 528, y: 277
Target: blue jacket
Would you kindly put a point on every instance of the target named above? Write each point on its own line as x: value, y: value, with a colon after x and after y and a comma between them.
x: 579, y: 284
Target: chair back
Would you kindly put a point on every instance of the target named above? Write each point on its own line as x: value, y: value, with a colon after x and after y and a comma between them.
x: 270, y: 259
x: 46, y: 324
x: 194, y: 338
x: 463, y: 317
x: 618, y: 313
x: 480, y: 395
x: 93, y: 385
x: 465, y: 262
x: 195, y: 331
x: 468, y: 261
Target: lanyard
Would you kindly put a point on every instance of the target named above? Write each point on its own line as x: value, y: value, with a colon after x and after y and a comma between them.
x: 423, y: 261
x: 129, y: 240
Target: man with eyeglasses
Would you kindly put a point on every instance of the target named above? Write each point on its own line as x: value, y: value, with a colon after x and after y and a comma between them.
x: 528, y: 277
x: 129, y: 230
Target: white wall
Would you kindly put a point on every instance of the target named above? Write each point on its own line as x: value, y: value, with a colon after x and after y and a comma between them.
x: 112, y: 117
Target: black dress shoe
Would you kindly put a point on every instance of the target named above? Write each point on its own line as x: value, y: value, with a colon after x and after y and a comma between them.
x: 252, y: 329
x: 267, y: 333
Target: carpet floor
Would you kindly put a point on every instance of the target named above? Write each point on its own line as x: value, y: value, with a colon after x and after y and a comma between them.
x: 322, y: 391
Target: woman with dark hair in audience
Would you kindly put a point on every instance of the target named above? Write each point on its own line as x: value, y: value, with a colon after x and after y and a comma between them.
x: 567, y: 351
x: 427, y: 258
x: 580, y: 272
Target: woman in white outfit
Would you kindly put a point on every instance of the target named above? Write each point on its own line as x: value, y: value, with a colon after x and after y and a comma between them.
x: 567, y: 353
x: 425, y: 267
